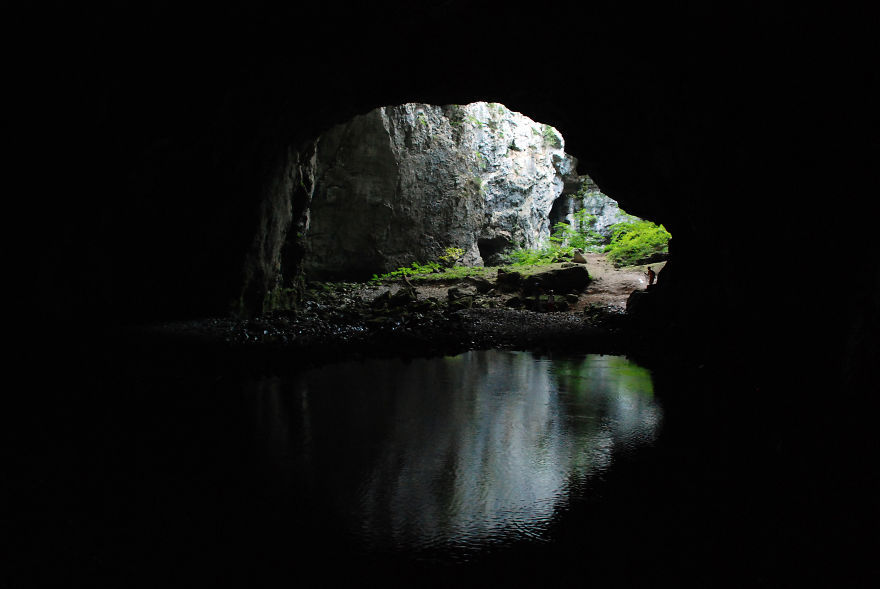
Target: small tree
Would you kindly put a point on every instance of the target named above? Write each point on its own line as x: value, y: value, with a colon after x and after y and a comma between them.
x: 451, y: 256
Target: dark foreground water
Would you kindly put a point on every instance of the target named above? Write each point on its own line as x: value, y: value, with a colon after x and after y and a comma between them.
x: 449, y: 457
x: 184, y: 469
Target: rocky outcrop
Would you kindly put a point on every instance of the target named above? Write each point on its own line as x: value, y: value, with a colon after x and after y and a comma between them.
x: 559, y: 280
x: 604, y: 210
x: 400, y: 184
x: 271, y: 264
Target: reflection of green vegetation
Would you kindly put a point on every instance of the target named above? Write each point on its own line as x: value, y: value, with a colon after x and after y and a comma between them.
x: 577, y: 374
x: 632, y: 378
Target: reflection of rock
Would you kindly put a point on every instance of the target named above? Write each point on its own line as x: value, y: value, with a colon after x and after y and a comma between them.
x: 473, y: 447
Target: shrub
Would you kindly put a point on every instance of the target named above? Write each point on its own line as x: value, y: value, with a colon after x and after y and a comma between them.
x: 548, y: 254
x: 635, y: 242
x: 451, y: 256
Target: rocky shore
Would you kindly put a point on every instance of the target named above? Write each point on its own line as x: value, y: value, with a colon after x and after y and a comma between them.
x: 563, y: 308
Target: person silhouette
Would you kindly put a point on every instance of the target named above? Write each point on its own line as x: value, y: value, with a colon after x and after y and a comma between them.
x: 651, y: 276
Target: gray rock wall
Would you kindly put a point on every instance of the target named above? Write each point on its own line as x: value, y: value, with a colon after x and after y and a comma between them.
x: 605, y: 209
x: 400, y: 184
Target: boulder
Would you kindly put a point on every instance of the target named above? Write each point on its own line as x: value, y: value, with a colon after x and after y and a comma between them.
x: 508, y: 281
x: 641, y: 304
x: 402, y: 298
x: 382, y: 300
x: 560, y: 280
x: 458, y: 292
x: 465, y: 302
x: 481, y: 284
x: 514, y: 303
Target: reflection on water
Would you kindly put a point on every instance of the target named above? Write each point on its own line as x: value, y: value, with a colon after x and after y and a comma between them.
x: 452, y: 453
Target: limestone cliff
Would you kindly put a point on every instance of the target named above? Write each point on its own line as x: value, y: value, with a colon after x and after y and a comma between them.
x: 399, y: 184
x: 604, y: 209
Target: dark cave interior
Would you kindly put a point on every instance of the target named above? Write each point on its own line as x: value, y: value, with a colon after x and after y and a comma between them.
x: 188, y: 126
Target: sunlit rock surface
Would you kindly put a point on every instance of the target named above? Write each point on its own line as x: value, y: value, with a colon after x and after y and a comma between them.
x: 401, y: 183
x: 604, y: 209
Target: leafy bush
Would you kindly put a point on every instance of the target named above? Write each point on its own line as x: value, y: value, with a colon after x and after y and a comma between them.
x: 548, y: 254
x: 635, y: 242
x: 451, y: 256
x: 412, y: 270
x: 632, y: 242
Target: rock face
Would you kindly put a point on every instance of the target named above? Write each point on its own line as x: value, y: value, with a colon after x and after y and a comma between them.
x: 400, y: 184
x: 604, y: 209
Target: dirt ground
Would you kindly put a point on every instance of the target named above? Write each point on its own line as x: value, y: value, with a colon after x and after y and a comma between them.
x: 609, y: 288
x: 612, y: 286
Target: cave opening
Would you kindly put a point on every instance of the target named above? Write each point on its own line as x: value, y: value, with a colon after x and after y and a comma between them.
x: 187, y: 195
x: 407, y: 184
x: 440, y: 194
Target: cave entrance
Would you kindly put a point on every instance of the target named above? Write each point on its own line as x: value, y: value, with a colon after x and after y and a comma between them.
x: 407, y: 187
x: 493, y: 250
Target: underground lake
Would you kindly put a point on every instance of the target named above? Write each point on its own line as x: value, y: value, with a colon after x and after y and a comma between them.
x: 195, y: 467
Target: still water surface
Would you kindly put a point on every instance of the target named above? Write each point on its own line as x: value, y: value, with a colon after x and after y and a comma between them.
x: 451, y: 455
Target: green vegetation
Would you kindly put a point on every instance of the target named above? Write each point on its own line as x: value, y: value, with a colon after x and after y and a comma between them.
x: 413, y: 270
x: 479, y: 184
x: 551, y: 138
x: 445, y: 266
x: 451, y: 256
x: 635, y: 242
x: 583, y: 235
x: 632, y: 242
x: 499, y: 108
x: 474, y: 121
x: 548, y: 254
x: 564, y: 240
